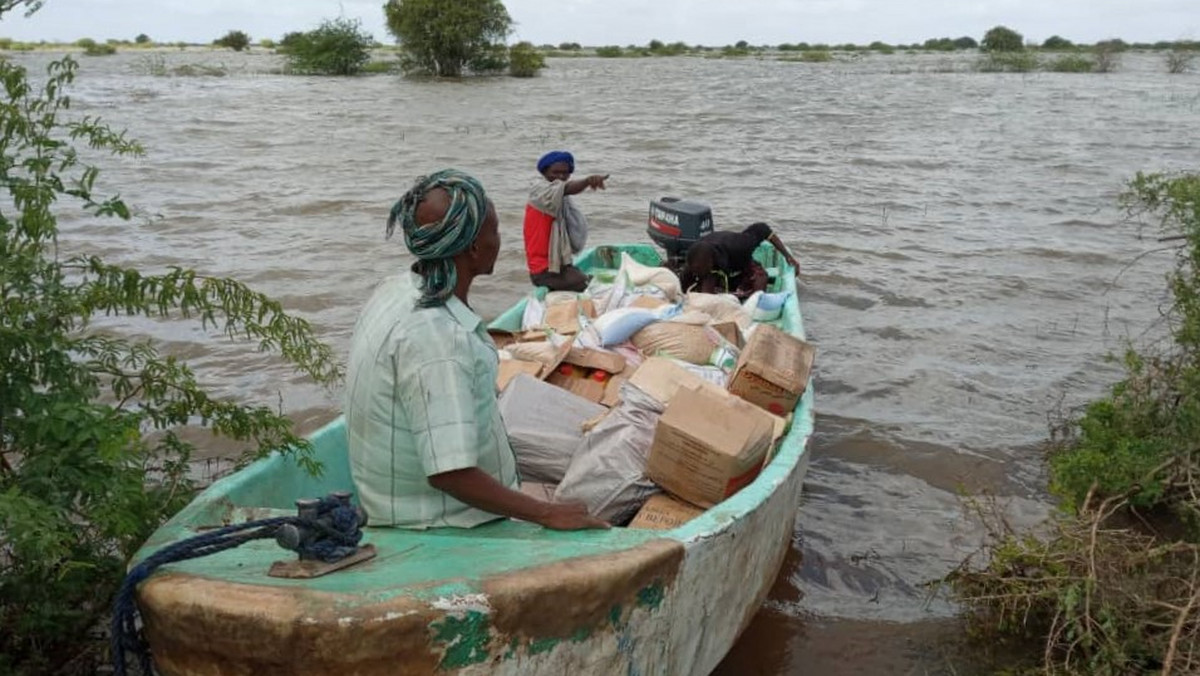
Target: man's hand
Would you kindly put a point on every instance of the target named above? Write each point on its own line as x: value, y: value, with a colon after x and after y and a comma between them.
x: 596, y: 181
x: 569, y: 516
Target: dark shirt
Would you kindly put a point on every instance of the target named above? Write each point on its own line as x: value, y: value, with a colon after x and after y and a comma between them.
x: 734, y: 251
x: 731, y: 254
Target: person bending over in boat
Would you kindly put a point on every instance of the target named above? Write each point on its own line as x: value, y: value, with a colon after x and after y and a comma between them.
x: 555, y: 229
x: 427, y: 445
x: 723, y: 261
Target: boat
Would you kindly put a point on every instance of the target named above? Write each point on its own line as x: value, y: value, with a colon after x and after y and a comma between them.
x: 507, y: 597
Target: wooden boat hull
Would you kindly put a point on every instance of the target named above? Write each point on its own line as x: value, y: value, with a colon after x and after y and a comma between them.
x: 505, y: 598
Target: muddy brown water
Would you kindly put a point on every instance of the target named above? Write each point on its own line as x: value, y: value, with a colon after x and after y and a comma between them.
x: 963, y: 259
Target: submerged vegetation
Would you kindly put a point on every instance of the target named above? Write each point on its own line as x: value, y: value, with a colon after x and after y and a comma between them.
x: 1114, y: 587
x: 94, y: 450
x: 336, y: 47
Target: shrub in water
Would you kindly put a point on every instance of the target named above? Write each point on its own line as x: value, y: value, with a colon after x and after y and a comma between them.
x: 336, y: 47
x: 1002, y: 39
x: 524, y: 60
x: 1072, y: 63
x: 235, y: 40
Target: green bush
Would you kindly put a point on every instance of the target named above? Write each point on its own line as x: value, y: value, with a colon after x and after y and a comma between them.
x: 524, y: 60
x: 1002, y: 39
x: 816, y: 56
x: 447, y: 39
x: 1055, y: 43
x: 1071, y: 63
x: 1112, y: 586
x: 1007, y: 62
x: 92, y: 452
x: 266, y: 43
x: 609, y: 52
x: 235, y: 40
x: 336, y: 47
x: 142, y: 39
x: 570, y: 46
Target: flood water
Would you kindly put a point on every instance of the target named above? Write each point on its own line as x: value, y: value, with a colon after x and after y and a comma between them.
x: 962, y: 249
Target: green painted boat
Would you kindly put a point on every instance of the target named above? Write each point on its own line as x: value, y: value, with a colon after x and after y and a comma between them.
x: 504, y: 598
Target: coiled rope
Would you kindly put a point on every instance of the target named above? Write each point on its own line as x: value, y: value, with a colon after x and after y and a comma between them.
x: 339, y: 538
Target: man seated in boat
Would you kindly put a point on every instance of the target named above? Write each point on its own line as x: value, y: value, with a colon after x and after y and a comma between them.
x: 723, y: 261
x: 427, y: 445
x: 555, y: 229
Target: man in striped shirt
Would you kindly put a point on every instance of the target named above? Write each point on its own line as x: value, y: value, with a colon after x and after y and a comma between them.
x: 426, y: 442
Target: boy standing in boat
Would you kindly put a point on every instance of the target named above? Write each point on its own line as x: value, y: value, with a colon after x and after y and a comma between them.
x: 723, y: 261
x: 555, y: 229
x: 427, y: 445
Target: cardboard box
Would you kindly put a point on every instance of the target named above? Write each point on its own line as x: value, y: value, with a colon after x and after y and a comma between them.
x: 503, y: 338
x: 592, y: 390
x: 663, y: 512
x: 731, y: 332
x: 511, y: 368
x: 708, y: 445
x: 612, y: 391
x: 610, y: 362
x: 539, y: 491
x: 661, y: 378
x: 544, y: 353
x: 773, y: 369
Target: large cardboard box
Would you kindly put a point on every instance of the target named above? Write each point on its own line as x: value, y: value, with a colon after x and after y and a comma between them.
x: 708, y: 445
x: 511, y: 368
x: 661, y: 378
x: 772, y: 371
x: 564, y: 317
x: 663, y: 512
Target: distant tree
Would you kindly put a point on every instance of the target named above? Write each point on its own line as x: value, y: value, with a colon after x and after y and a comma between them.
x: 966, y: 42
x: 742, y: 44
x: 266, y: 43
x: 235, y: 40
x: 445, y: 38
x: 1057, y: 43
x: 336, y: 47
x: 1114, y: 45
x: 656, y: 45
x: 142, y: 39
x: 1003, y: 39
x: 524, y: 60
x: 940, y: 44
x: 609, y: 52
x: 288, y: 41
x: 570, y: 46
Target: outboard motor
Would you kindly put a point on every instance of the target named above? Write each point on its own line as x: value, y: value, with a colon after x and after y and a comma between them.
x: 676, y: 224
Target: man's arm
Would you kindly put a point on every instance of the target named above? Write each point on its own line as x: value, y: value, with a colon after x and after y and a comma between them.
x: 479, y: 489
x: 595, y: 182
x: 783, y: 250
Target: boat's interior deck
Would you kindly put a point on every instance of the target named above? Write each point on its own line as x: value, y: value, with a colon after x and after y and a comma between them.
x: 442, y: 561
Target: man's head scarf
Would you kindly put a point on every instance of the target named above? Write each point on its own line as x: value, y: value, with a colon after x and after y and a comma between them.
x: 436, y: 244
x: 554, y: 157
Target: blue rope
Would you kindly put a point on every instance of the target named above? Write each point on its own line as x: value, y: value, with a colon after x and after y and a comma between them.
x: 339, y: 541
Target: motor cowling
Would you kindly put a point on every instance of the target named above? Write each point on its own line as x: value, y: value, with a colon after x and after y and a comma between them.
x: 675, y: 224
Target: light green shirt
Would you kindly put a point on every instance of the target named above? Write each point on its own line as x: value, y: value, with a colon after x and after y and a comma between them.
x: 421, y: 400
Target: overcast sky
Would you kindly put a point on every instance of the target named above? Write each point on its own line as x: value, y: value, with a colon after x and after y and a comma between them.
x: 625, y: 22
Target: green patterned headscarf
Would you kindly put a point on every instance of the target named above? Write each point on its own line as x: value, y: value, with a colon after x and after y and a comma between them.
x: 436, y: 244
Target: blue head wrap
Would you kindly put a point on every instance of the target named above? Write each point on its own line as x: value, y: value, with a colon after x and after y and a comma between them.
x: 554, y: 157
x: 436, y: 244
